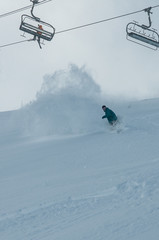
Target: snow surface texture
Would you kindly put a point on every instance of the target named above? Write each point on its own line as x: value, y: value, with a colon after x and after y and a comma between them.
x: 66, y: 175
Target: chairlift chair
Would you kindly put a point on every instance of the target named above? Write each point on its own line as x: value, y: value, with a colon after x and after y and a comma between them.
x: 31, y: 25
x: 142, y: 34
x: 34, y: 26
x: 148, y: 37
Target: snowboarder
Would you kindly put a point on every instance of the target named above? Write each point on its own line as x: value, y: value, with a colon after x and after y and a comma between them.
x: 110, y: 115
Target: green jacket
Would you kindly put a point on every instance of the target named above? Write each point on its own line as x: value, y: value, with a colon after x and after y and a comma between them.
x: 110, y: 115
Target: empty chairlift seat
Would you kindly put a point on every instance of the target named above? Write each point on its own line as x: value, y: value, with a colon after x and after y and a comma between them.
x: 143, y: 34
x: 148, y: 37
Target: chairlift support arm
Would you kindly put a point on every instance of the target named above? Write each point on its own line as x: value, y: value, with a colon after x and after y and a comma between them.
x: 148, y: 10
x: 34, y: 2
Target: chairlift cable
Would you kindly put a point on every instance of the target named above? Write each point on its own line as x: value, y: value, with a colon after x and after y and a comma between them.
x: 14, y: 43
x: 22, y: 9
x: 81, y: 26
x: 101, y: 21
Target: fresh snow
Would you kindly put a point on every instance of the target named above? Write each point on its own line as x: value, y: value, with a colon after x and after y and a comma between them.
x: 66, y: 175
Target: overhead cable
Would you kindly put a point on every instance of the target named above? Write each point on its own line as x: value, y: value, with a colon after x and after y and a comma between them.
x: 22, y: 9
x: 15, y: 43
x: 101, y: 21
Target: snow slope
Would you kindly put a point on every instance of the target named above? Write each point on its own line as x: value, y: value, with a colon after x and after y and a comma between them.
x: 66, y: 175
